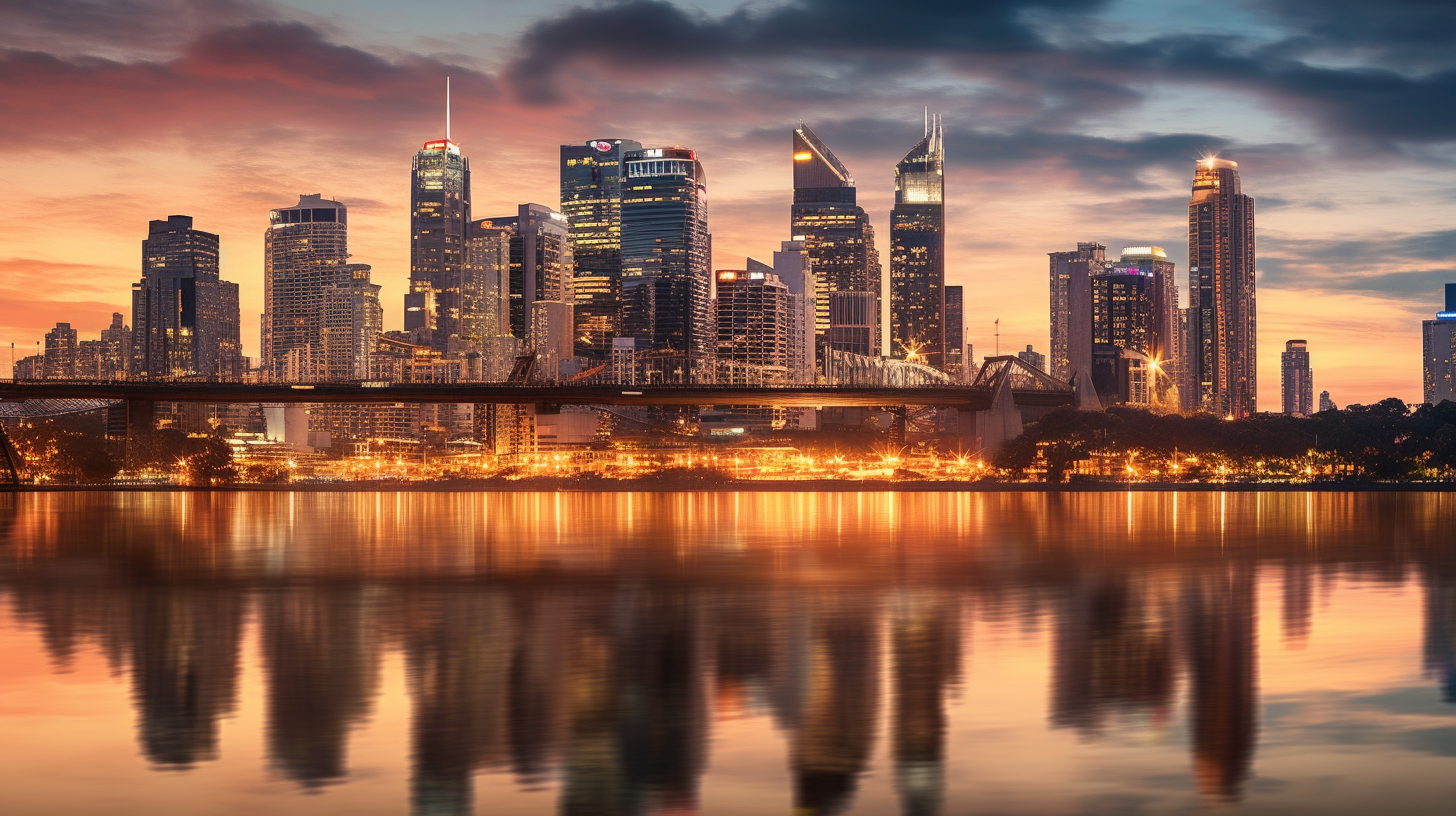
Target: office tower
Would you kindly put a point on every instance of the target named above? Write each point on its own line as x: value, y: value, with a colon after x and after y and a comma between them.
x: 592, y: 175
x: 89, y: 355
x: 1439, y: 352
x: 1032, y: 358
x: 551, y: 335
x: 1296, y: 381
x: 29, y: 368
x: 305, y: 252
x: 60, y: 353
x: 852, y: 321
x: 917, y: 251
x: 1327, y: 404
x: 955, y: 330
x: 794, y: 267
x: 184, y: 317
x: 1221, y: 289
x: 1071, y: 307
x: 438, y: 300
x: 666, y: 252
x: 539, y: 264
x: 1157, y: 303
x: 837, y: 236
x: 350, y: 325
x: 115, y: 348
x: 755, y: 316
x: 488, y: 272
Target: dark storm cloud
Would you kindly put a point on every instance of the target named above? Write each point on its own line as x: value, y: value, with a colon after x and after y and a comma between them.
x: 1388, y: 27
x: 657, y: 32
x: 123, y: 24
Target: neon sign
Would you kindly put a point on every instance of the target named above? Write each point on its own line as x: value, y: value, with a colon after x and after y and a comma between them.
x: 600, y: 147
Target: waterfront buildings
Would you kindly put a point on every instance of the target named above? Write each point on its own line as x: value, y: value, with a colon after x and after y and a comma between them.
x: 666, y: 278
x: 539, y: 263
x: 592, y: 176
x: 1221, y: 289
x: 1071, y: 307
x: 349, y: 325
x: 184, y: 316
x: 116, y: 349
x: 955, y: 331
x: 439, y: 306
x: 917, y: 251
x: 840, y: 243
x: 755, y: 323
x: 1296, y: 381
x: 1133, y: 310
x: 1438, y: 352
x: 305, y: 252
x: 60, y: 353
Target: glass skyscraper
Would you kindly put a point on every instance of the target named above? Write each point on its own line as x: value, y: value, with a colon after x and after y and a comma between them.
x: 591, y: 200
x: 917, y: 251
x: 1296, y: 380
x: 439, y: 306
x: 1224, y: 365
x: 1438, y: 353
x: 666, y: 252
x: 185, y: 317
x: 305, y: 253
x: 1071, y: 307
x: 837, y: 235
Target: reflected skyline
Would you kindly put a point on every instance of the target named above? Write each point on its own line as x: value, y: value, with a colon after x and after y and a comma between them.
x: 596, y: 649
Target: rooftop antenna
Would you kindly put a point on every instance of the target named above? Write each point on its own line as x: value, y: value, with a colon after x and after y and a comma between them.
x: 927, y: 120
x: 447, y: 109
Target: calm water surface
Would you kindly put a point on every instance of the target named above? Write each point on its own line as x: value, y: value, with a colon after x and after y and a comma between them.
x: 727, y: 653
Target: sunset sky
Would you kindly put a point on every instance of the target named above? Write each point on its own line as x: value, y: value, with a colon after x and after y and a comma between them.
x: 1065, y: 120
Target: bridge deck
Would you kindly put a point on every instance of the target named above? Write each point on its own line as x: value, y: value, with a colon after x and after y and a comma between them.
x: 958, y: 396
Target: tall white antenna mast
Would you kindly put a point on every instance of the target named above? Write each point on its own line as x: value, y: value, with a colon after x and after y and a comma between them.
x: 927, y: 120
x: 447, y: 109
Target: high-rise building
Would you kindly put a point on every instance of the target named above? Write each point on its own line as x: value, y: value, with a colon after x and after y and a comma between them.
x: 488, y: 269
x: 1439, y: 352
x: 592, y: 176
x: 1296, y: 381
x: 955, y: 330
x: 755, y: 316
x: 439, y: 300
x: 115, y: 348
x: 184, y: 317
x: 305, y: 252
x: 539, y: 265
x: 1327, y: 404
x: 1071, y: 307
x: 60, y: 353
x: 1221, y: 290
x: 837, y: 236
x: 793, y: 266
x: 1033, y: 358
x: 349, y: 325
x: 666, y: 256
x: 1162, y: 342
x: 917, y: 251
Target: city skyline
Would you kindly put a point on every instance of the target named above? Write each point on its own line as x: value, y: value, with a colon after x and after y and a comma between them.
x: 1345, y: 258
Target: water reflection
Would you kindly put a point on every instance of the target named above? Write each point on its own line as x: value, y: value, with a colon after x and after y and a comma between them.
x: 589, y: 643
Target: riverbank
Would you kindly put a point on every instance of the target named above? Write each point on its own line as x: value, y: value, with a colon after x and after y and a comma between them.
x: 679, y: 485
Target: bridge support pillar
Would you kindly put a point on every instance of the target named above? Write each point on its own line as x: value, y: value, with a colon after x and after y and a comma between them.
x: 1000, y: 423
x: 9, y: 462
x: 141, y: 422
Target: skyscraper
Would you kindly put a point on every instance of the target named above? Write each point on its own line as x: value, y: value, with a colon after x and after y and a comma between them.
x: 115, y: 348
x: 60, y: 353
x: 1071, y: 307
x: 540, y: 262
x: 1296, y: 381
x: 305, y: 252
x: 791, y: 263
x: 1439, y: 352
x: 184, y: 317
x: 349, y: 325
x: 666, y: 256
x: 755, y: 316
x: 837, y: 236
x: 955, y: 330
x: 438, y: 301
x: 917, y: 251
x: 1221, y: 288
x: 592, y: 175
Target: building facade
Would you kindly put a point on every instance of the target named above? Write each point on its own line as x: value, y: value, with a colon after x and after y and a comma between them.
x: 61, y: 346
x: 917, y: 251
x: 666, y: 256
x: 350, y: 324
x: 794, y: 267
x: 539, y: 265
x: 592, y: 177
x: 1438, y: 351
x: 955, y: 331
x: 1071, y: 307
x: 305, y: 253
x: 1033, y: 358
x: 439, y: 304
x: 1296, y: 381
x: 836, y: 234
x: 185, y: 320
x: 1221, y: 291
x: 755, y: 322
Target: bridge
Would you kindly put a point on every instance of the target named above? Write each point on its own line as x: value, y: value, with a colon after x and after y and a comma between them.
x: 990, y: 409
